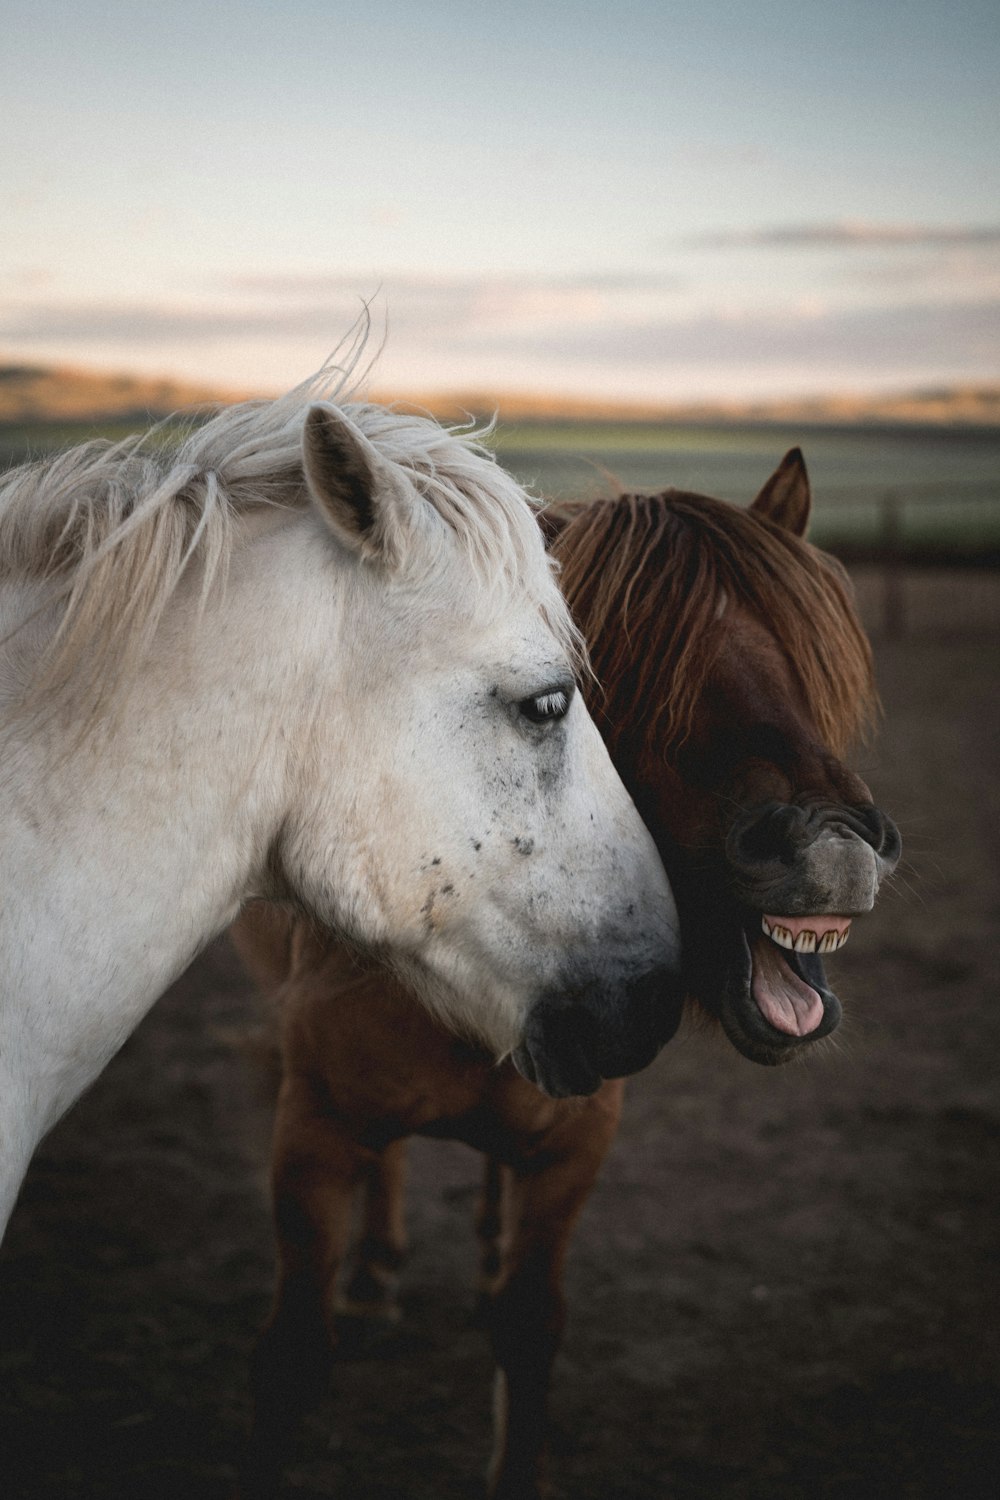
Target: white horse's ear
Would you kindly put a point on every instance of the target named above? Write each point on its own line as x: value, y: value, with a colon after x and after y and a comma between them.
x: 362, y: 497
x: 786, y: 498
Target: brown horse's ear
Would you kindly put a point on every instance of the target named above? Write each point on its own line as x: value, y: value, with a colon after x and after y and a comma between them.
x: 786, y: 498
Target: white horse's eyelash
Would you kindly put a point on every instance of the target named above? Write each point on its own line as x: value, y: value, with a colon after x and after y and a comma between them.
x: 544, y: 707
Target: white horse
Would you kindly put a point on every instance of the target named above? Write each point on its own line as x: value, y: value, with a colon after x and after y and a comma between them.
x: 315, y: 652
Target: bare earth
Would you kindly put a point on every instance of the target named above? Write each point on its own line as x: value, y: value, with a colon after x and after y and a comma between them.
x: 784, y: 1287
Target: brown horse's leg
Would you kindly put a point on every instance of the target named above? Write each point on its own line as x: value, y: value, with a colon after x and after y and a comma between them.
x: 489, y: 1233
x: 315, y: 1171
x: 545, y: 1196
x: 373, y: 1288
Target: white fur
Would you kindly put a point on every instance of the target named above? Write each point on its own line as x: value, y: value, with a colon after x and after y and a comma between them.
x: 223, y: 694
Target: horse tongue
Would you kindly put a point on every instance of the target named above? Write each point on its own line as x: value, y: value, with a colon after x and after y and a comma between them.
x: 783, y: 999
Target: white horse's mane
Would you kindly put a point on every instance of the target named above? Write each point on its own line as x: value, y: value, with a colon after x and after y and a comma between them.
x: 110, y: 528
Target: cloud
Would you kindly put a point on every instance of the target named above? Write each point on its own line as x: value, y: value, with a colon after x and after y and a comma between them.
x: 145, y: 323
x: 869, y: 339
x: 475, y: 332
x: 290, y: 305
x: 850, y: 234
x: 306, y: 283
x: 437, y: 307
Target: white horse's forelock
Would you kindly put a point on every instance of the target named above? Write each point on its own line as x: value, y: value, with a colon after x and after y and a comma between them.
x: 109, y: 529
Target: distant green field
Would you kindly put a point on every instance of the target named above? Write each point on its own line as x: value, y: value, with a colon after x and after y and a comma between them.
x: 947, y: 482
x: 19, y: 443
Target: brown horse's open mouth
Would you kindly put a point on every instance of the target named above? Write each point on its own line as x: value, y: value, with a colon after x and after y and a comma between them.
x: 784, y: 996
x: 775, y: 993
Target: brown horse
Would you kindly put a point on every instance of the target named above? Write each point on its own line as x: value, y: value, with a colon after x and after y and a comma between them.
x: 734, y: 673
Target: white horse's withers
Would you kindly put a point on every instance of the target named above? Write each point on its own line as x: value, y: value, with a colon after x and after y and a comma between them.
x: 317, y: 653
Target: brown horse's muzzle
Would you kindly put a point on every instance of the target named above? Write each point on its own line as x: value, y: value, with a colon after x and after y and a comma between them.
x: 799, y: 871
x: 805, y: 857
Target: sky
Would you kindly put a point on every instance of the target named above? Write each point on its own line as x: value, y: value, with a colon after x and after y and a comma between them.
x: 640, y: 201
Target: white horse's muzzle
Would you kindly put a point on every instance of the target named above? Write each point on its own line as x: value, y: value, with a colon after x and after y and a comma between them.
x: 576, y: 1038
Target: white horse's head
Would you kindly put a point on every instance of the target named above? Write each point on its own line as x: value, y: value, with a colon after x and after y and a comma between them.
x: 453, y: 805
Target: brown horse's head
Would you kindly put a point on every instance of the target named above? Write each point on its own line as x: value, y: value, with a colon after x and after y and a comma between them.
x: 733, y: 674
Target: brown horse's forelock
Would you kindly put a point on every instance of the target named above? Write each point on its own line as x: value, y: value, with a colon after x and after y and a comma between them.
x: 645, y: 576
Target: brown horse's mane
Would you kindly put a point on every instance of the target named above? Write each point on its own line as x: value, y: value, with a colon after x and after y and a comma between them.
x: 646, y: 577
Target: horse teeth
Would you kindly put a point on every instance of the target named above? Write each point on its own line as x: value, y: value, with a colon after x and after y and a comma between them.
x: 806, y: 941
x: 779, y: 935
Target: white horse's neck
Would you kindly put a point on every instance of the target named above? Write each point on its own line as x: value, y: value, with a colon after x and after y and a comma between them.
x: 140, y: 844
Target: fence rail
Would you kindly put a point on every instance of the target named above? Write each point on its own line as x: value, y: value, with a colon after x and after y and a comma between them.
x: 928, y: 525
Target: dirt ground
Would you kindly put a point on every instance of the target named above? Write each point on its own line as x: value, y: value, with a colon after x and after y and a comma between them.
x: 785, y: 1285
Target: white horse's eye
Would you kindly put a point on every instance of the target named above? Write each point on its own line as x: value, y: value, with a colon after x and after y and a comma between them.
x: 543, y: 707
